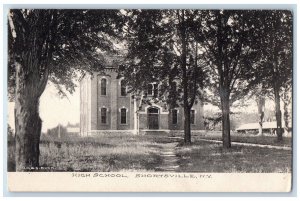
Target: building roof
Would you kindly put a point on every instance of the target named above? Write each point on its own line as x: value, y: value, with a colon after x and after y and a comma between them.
x: 250, y: 126
x: 110, y: 62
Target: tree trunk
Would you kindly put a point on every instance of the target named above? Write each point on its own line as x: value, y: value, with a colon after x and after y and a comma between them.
x: 28, y: 131
x: 27, y: 121
x: 286, y: 101
x: 187, y: 125
x: 261, y: 107
x: 187, y: 118
x: 187, y: 111
x: 225, y: 119
x: 278, y: 114
x: 286, y: 118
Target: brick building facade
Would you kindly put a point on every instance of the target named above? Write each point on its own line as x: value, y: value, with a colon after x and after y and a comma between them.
x: 106, y: 107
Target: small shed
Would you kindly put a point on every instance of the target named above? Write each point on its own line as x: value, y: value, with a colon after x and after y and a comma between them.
x: 253, y: 127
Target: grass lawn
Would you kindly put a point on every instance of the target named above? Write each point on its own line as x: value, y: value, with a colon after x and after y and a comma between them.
x: 211, y: 157
x: 119, y: 152
x: 246, y: 138
x: 105, y: 153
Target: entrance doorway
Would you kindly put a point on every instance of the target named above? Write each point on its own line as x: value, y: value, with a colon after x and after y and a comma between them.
x: 153, y: 118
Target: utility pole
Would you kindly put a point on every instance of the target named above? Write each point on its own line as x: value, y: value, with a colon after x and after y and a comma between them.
x: 59, y: 131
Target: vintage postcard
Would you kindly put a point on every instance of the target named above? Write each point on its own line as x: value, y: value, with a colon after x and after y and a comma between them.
x: 149, y: 100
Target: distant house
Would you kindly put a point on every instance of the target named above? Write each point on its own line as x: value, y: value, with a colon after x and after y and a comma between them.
x: 253, y: 127
x: 105, y: 106
x: 73, y: 130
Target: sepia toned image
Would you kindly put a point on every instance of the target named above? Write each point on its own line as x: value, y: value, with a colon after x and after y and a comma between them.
x: 141, y: 98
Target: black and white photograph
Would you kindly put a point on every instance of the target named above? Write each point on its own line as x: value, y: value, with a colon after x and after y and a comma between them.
x: 151, y: 94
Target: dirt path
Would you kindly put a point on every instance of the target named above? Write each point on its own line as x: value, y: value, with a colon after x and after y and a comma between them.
x: 170, y: 160
x: 250, y: 144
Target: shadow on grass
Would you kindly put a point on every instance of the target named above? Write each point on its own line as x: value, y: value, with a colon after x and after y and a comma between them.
x: 212, y: 157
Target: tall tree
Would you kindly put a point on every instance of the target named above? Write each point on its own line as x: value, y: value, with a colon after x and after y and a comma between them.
x: 231, y: 46
x: 276, y: 46
x: 51, y: 45
x: 191, y: 76
x: 161, y: 48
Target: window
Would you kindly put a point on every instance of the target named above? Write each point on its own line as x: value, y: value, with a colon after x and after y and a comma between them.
x: 152, y: 90
x: 192, y: 116
x: 103, y: 86
x: 174, y: 116
x: 123, y: 116
x: 123, y: 88
x: 155, y: 90
x: 103, y: 115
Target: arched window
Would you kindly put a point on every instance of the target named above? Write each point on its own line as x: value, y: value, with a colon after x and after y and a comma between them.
x: 123, y: 112
x: 103, y: 84
x: 123, y: 88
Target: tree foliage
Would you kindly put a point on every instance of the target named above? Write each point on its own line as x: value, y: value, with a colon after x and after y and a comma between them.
x: 52, y: 45
x: 231, y: 43
x: 162, y: 48
x: 64, y: 43
x: 276, y: 56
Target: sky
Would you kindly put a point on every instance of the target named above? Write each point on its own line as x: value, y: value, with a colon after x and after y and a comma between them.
x: 53, y: 109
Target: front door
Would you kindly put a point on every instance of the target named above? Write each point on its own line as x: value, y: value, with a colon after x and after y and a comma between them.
x: 153, y: 122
